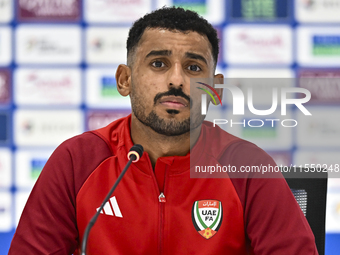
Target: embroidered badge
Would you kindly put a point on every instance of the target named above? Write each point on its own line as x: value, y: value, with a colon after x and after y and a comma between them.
x: 207, y: 217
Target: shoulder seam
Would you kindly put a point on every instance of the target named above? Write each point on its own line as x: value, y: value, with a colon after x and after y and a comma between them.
x: 103, y: 138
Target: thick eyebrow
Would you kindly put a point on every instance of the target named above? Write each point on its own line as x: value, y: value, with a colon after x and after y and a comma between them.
x: 159, y: 53
x: 196, y: 56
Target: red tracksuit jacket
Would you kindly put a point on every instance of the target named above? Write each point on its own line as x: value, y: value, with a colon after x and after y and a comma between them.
x: 195, y: 216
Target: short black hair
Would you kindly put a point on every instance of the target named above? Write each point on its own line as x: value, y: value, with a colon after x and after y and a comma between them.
x: 173, y: 18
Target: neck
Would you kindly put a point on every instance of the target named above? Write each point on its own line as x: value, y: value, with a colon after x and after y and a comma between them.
x: 157, y: 145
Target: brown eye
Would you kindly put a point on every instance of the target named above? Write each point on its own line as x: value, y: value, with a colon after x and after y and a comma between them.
x: 158, y: 64
x: 194, y: 68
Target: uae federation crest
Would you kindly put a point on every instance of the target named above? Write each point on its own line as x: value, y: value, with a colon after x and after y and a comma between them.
x: 207, y: 217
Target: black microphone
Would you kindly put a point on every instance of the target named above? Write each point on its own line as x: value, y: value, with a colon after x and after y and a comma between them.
x: 134, y: 155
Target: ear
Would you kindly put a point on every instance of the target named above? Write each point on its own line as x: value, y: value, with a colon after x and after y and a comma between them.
x: 123, y: 79
x: 218, y: 79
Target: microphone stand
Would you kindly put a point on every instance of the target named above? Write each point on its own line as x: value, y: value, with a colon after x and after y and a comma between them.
x: 94, y: 218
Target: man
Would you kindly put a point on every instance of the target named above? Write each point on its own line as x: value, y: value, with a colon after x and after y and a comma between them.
x: 157, y: 208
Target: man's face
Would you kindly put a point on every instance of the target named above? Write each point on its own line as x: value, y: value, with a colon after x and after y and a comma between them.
x: 162, y: 66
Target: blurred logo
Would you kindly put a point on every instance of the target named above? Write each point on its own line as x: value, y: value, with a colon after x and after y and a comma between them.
x: 3, y: 127
x: 63, y: 81
x: 5, y: 168
x: 98, y: 120
x: 258, y: 41
x: 6, y: 10
x: 106, y: 44
x: 36, y: 167
x: 258, y: 44
x: 308, y: 4
x: 49, y: 9
x: 50, y: 127
x: 97, y: 44
x: 101, y: 43
x: 258, y: 9
x: 326, y: 45
x: 116, y: 10
x: 4, y: 87
x: 4, y: 3
x: 323, y: 128
x: 27, y: 127
x: 46, y: 127
x: 324, y: 85
x: 46, y: 46
x: 47, y: 86
x: 267, y: 130
x: 337, y: 210
x: 109, y: 86
x: 5, y: 45
x: 325, y: 4
x: 199, y: 6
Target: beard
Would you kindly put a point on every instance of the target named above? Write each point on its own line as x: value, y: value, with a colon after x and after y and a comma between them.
x: 169, y: 126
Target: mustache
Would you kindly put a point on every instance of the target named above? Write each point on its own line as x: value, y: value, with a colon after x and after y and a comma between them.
x: 177, y: 92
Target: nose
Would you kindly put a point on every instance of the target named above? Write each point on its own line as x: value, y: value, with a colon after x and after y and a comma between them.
x: 176, y: 76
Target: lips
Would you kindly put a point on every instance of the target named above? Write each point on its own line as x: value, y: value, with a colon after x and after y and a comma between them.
x: 174, y: 102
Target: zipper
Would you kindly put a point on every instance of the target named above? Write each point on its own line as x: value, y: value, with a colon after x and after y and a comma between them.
x: 162, y: 198
x: 162, y: 201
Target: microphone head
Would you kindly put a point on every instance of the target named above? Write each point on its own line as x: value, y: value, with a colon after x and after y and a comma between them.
x: 137, y: 151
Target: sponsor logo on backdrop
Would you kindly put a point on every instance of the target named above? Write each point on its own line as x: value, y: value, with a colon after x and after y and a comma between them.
x: 5, y: 46
x: 109, y: 87
x: 5, y: 211
x: 4, y: 128
x: 319, y: 157
x: 116, y: 10
x: 268, y: 129
x: 48, y: 44
x: 324, y: 85
x: 321, y: 131
x: 99, y: 119
x: 258, y: 8
x: 29, y: 164
x: 318, y: 46
x: 46, y: 128
x: 326, y: 45
x: 48, y: 86
x: 6, y: 11
x: 37, y: 166
x: 106, y: 45
x: 199, y: 6
x: 243, y: 74
x: 211, y: 10
x: 268, y: 10
x: 101, y: 89
x: 4, y: 86
x: 317, y: 10
x: 5, y: 168
x: 44, y: 10
x: 258, y: 45
x: 333, y: 212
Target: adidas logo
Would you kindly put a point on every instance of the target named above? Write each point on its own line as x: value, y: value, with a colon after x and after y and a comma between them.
x: 111, y: 208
